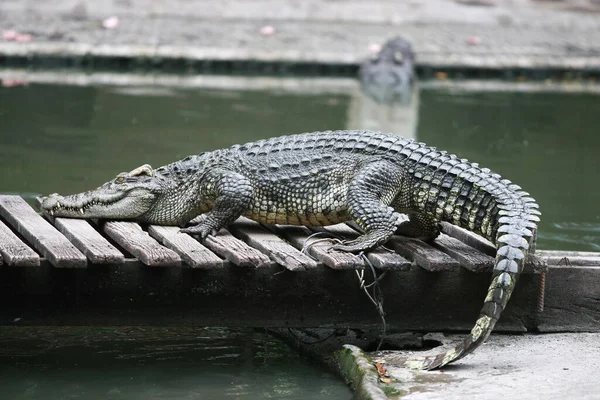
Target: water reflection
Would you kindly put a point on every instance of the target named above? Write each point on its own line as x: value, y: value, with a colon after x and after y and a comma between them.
x: 155, y: 363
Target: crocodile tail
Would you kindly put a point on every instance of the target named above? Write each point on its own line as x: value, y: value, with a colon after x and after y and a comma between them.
x: 516, y: 219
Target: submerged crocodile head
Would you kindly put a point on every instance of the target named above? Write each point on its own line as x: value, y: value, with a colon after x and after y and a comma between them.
x: 131, y: 195
x: 388, y: 75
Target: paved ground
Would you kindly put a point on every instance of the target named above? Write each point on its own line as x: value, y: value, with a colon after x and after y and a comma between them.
x: 460, y: 33
x: 549, y: 366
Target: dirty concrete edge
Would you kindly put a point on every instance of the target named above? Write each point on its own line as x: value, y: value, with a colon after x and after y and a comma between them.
x: 341, y: 64
x: 360, y: 374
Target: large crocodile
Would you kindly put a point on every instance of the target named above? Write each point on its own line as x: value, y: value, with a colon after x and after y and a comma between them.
x: 324, y: 178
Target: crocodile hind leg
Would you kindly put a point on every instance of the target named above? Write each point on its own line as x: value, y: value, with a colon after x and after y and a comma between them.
x: 233, y: 194
x: 420, y: 226
x: 370, y: 193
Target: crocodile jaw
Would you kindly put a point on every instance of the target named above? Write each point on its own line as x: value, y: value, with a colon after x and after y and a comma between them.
x: 100, y: 203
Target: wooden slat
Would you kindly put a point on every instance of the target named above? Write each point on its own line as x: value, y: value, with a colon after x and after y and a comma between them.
x: 189, y: 249
x: 14, y: 251
x: 132, y: 238
x: 380, y: 257
x: 469, y: 238
x: 424, y: 255
x: 47, y: 240
x: 272, y: 245
x: 469, y: 257
x: 236, y: 251
x: 573, y: 258
x: 297, y: 236
x: 89, y: 241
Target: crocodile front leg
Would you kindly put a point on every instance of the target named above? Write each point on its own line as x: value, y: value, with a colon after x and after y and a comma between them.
x: 370, y: 194
x: 233, y: 195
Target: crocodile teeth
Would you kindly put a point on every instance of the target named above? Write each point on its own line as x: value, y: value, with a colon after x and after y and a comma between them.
x: 81, y: 210
x: 52, y: 212
x: 57, y: 204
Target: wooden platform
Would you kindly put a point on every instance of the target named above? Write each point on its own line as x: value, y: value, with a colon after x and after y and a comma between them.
x: 88, y: 272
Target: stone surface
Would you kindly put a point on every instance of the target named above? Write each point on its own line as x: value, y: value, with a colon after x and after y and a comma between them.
x: 491, y: 34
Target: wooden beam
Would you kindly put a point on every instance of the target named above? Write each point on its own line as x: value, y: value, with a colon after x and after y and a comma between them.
x: 14, y: 251
x: 271, y: 245
x: 43, y: 236
x: 132, y: 238
x: 195, y: 254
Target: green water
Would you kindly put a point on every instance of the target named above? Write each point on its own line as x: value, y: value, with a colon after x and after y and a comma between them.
x: 156, y: 363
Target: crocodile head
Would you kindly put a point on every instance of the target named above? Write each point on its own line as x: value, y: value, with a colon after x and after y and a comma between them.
x: 387, y: 75
x: 130, y: 196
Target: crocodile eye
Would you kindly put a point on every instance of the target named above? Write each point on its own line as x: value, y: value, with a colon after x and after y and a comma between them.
x: 120, y: 179
x: 398, y: 58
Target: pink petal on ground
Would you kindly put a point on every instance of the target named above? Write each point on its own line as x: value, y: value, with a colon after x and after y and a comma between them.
x: 473, y: 40
x: 267, y: 30
x: 110, y: 22
x: 23, y: 38
x: 9, y: 35
x: 374, y: 48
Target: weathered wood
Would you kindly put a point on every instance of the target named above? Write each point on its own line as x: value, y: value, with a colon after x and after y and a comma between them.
x: 322, y: 251
x: 469, y: 257
x: 272, y: 245
x: 39, y: 232
x: 380, y: 257
x: 572, y: 301
x: 236, y: 251
x: 89, y: 241
x: 573, y: 258
x: 132, y: 238
x: 426, y: 256
x: 469, y: 238
x: 189, y: 249
x: 14, y: 251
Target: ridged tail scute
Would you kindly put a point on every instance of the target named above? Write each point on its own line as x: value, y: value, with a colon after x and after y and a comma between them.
x: 517, y: 219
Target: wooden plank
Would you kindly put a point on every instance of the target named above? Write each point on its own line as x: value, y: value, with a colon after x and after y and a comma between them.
x: 189, y: 249
x: 89, y: 241
x: 14, y: 251
x: 272, y: 245
x: 469, y: 257
x: 236, y: 251
x: 469, y: 238
x: 36, y: 230
x: 573, y: 258
x: 381, y: 257
x: 424, y: 255
x: 322, y: 251
x: 132, y: 238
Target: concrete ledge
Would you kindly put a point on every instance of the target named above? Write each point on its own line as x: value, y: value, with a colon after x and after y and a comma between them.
x: 333, y: 36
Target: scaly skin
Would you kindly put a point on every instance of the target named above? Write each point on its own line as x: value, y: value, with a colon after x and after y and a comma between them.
x: 324, y: 178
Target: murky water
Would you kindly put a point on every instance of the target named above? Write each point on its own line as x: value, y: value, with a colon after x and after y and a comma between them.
x: 156, y: 363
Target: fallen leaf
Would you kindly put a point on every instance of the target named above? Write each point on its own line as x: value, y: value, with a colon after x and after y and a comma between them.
x: 110, y: 22
x: 473, y: 40
x: 267, y: 30
x: 9, y: 35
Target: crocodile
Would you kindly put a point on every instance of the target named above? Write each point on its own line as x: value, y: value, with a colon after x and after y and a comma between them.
x: 388, y: 75
x: 324, y: 178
